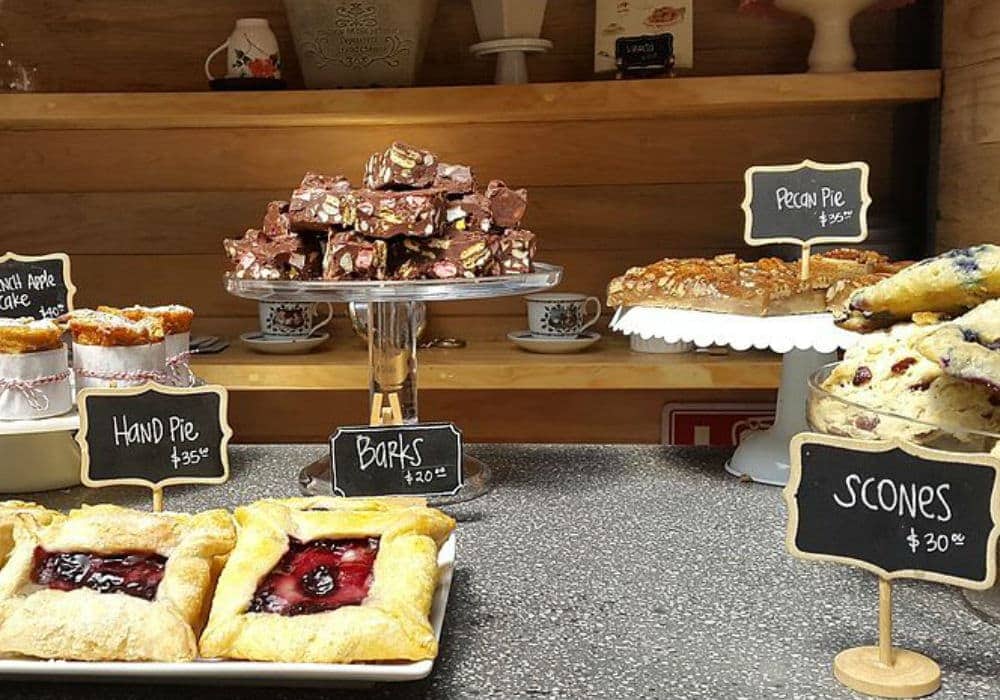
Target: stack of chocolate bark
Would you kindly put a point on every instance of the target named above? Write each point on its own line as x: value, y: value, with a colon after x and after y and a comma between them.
x: 415, y: 218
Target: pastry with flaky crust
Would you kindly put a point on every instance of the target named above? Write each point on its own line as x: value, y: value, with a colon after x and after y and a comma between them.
x: 9, y: 512
x: 110, y: 584
x: 329, y: 580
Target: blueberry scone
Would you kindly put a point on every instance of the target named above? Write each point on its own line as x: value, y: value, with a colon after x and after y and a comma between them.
x: 969, y: 347
x: 950, y: 283
x: 886, y: 374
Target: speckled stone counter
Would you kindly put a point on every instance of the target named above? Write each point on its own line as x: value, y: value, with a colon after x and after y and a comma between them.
x: 619, y: 572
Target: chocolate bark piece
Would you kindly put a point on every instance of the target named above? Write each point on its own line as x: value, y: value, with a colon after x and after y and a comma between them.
x: 400, y: 166
x: 319, y: 202
x: 508, y: 205
x: 409, y: 258
x: 353, y: 257
x: 386, y: 214
x: 516, y: 252
x: 469, y: 213
x: 276, y: 223
x: 255, y: 256
x: 462, y: 254
x: 456, y: 180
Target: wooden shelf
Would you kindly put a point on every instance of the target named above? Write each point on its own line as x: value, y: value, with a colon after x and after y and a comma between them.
x: 495, y: 365
x: 546, y: 102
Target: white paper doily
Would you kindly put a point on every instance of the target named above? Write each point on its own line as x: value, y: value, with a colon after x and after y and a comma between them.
x: 704, y: 328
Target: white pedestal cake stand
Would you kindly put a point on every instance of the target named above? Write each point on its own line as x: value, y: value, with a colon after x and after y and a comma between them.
x: 392, y: 341
x: 805, y: 341
x: 39, y: 454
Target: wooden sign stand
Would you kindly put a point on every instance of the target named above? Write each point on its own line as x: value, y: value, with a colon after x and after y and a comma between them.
x: 884, y: 670
x: 155, y: 486
x: 386, y: 415
x: 805, y: 243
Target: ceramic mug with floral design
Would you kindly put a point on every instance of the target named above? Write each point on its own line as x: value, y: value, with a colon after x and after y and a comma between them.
x: 251, y: 51
x: 281, y: 320
x: 561, y: 315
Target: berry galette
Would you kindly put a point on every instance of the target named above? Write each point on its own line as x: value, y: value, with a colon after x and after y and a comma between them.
x: 11, y: 512
x: 329, y: 580
x: 110, y: 584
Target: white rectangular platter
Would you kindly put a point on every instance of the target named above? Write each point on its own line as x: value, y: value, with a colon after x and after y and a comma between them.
x: 249, y: 672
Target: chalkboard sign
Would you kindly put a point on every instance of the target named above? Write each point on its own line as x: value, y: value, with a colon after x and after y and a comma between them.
x: 397, y: 460
x: 35, y: 286
x: 897, y: 509
x: 806, y: 203
x: 154, y: 435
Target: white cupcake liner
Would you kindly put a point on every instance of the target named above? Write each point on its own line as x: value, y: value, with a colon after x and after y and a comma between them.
x: 35, y: 385
x: 101, y: 367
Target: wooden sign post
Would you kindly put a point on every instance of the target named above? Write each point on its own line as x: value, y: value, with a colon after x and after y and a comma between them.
x: 805, y: 204
x: 900, y: 511
x: 37, y: 286
x: 154, y: 436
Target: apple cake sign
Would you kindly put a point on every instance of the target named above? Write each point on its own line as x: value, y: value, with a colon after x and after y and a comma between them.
x: 35, y: 286
x: 154, y: 436
x: 397, y: 460
x: 896, y: 509
x: 806, y: 203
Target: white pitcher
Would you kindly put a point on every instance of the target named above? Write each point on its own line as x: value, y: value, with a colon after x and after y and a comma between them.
x: 251, y: 51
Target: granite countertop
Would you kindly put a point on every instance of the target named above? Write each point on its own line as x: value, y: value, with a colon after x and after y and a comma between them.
x: 618, y: 572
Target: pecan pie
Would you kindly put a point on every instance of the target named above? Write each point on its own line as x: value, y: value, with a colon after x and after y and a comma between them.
x: 768, y: 287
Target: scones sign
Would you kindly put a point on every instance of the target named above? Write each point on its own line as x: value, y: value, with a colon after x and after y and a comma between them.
x: 900, y: 511
x: 35, y: 286
x: 397, y: 460
x: 154, y: 436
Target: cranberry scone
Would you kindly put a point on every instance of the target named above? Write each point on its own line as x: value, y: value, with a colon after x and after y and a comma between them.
x: 110, y: 584
x: 969, y: 347
x: 885, y: 374
x: 329, y: 580
x: 950, y: 283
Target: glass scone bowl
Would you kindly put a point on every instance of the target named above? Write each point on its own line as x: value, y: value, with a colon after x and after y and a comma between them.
x: 834, y: 415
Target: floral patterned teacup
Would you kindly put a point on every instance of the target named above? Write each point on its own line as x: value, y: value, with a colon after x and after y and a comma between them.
x: 561, y: 315
x: 280, y: 320
x: 251, y: 51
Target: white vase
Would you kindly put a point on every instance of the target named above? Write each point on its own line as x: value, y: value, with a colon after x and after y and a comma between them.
x: 832, y: 50
x: 509, y: 29
x: 360, y: 43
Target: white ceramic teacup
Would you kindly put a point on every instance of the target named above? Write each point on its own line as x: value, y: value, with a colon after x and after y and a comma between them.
x: 560, y: 314
x: 251, y: 51
x: 290, y: 319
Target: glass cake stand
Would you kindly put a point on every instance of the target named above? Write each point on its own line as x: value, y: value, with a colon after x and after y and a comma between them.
x: 392, y: 343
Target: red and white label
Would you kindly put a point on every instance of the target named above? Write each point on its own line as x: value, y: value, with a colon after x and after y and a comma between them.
x: 713, y: 424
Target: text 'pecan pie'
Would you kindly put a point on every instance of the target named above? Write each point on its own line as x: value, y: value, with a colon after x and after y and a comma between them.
x: 109, y: 583
x: 329, y: 580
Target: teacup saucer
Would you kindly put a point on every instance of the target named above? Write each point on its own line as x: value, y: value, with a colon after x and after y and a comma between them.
x: 553, y: 345
x: 283, y: 346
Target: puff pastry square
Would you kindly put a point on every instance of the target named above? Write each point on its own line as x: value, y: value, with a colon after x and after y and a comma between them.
x: 329, y: 580
x: 110, y: 584
x: 9, y: 514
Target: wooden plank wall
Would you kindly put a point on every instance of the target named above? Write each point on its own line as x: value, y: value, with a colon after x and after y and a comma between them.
x: 143, y: 212
x: 969, y: 189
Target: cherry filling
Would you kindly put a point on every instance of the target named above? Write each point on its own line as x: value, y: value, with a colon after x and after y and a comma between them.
x: 136, y: 574
x: 319, y: 575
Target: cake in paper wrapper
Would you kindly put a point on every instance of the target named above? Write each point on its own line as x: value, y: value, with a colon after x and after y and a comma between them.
x: 34, y: 370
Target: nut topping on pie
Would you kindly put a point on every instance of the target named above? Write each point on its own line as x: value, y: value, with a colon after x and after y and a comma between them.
x: 133, y: 573
x: 316, y: 576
